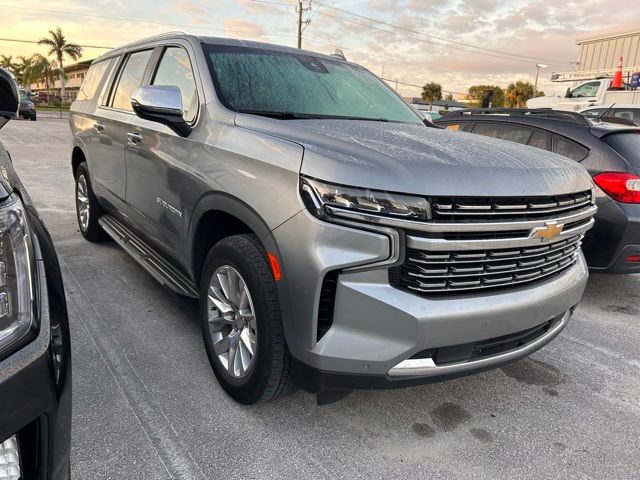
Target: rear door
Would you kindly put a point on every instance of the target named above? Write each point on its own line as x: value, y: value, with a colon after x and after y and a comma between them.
x: 116, y: 116
x: 157, y: 159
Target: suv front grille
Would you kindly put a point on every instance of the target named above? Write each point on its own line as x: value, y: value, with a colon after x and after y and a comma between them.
x: 438, y: 272
x: 478, y: 209
x: 492, y: 243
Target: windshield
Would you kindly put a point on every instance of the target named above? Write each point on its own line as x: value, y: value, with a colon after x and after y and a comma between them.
x: 24, y: 97
x: 292, y: 85
x: 627, y: 145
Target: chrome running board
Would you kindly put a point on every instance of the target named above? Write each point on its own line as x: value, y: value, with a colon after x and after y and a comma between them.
x: 147, y: 257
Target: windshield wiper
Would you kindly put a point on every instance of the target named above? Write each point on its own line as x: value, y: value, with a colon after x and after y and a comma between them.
x: 273, y: 114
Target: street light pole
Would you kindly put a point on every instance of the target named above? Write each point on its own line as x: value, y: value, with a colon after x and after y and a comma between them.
x: 535, y: 85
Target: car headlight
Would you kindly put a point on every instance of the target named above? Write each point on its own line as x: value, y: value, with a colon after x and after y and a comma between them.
x: 324, y: 199
x: 16, y: 278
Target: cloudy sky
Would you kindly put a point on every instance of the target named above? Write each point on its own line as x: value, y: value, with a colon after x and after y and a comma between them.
x: 457, y: 43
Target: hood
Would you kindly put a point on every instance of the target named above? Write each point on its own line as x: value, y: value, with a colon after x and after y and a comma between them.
x: 420, y: 160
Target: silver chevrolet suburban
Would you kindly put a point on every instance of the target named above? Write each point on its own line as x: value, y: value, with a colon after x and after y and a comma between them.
x: 333, y: 238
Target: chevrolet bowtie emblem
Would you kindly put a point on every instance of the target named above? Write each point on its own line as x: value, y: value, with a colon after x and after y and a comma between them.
x: 550, y: 231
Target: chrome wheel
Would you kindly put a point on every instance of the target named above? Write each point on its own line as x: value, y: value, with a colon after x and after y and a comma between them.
x: 232, y: 321
x: 82, y: 199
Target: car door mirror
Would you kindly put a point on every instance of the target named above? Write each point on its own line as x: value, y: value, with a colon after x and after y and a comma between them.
x: 9, y: 97
x: 162, y: 104
x: 568, y: 94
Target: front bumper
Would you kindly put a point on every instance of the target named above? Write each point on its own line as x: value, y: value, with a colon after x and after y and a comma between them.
x: 377, y: 327
x: 614, y: 237
x: 35, y: 393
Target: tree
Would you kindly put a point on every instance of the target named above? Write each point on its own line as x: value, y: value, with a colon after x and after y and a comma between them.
x: 26, y: 74
x: 448, y: 97
x: 44, y: 69
x: 8, y: 63
x: 59, y: 47
x: 431, y: 92
x: 476, y: 93
x: 517, y: 94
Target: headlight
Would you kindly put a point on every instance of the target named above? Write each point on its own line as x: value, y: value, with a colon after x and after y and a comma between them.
x: 325, y: 198
x: 16, y: 282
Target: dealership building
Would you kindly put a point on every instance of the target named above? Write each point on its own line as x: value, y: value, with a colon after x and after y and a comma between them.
x: 599, y: 55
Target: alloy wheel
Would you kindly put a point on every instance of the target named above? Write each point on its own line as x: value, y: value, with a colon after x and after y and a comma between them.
x: 232, y: 321
x: 82, y: 198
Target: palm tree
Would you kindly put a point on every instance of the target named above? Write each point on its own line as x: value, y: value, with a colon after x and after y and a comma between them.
x: 26, y: 76
x: 59, y: 47
x: 44, y: 69
x: 431, y: 92
x: 516, y: 95
x: 8, y: 63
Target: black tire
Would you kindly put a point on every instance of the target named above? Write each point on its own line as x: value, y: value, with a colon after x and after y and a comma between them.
x: 92, y: 231
x: 268, y: 376
x: 33, y: 117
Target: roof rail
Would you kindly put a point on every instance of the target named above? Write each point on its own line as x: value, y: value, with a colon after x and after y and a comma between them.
x: 159, y: 36
x: 560, y: 115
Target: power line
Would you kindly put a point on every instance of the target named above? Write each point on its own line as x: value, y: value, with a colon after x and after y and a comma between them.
x: 33, y: 41
x: 421, y: 39
x: 398, y: 27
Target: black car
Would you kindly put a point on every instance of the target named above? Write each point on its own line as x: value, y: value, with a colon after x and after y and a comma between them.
x: 611, y: 154
x: 35, y: 363
x: 27, y: 109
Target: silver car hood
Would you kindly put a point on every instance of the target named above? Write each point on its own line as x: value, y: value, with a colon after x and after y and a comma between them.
x: 421, y: 160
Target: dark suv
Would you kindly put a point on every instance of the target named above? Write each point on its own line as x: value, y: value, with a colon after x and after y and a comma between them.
x: 35, y: 363
x: 611, y: 154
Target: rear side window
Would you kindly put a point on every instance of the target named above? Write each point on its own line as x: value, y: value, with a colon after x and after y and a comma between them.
x: 130, y: 79
x: 541, y: 139
x: 175, y: 69
x: 627, y: 145
x: 461, y: 126
x: 92, y: 79
x: 504, y: 131
x: 568, y: 148
x: 628, y: 113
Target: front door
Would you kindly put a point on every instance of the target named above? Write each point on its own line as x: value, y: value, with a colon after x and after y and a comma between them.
x: 157, y: 159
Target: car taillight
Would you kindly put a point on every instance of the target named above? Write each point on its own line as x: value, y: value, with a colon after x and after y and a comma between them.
x: 623, y: 187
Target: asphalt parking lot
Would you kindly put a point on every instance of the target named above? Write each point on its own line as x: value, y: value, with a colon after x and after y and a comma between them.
x: 147, y: 406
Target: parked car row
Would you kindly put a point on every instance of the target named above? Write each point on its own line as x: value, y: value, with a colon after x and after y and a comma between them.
x: 333, y: 237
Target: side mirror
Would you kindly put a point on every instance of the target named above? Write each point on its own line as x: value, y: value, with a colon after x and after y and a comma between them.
x: 568, y: 94
x: 9, y: 97
x: 162, y: 104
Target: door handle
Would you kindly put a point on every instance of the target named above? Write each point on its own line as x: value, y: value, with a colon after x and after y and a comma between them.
x: 99, y: 127
x: 134, y: 138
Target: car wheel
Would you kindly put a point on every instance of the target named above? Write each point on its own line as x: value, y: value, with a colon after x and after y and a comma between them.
x: 241, y: 321
x: 88, y: 210
x: 32, y: 117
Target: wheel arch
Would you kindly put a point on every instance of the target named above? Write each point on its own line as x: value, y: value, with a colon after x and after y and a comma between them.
x: 217, y: 216
x: 77, y: 157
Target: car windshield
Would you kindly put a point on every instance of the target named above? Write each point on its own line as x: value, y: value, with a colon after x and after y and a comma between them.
x: 24, y: 97
x: 297, y: 85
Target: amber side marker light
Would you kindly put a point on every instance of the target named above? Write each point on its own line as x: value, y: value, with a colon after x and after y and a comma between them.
x: 275, y: 266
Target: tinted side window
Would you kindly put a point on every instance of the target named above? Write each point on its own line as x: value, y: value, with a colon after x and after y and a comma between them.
x: 462, y: 126
x: 541, y: 139
x: 628, y: 113
x: 593, y: 113
x: 130, y: 78
x: 175, y: 69
x: 92, y: 79
x: 504, y: 131
x: 568, y: 148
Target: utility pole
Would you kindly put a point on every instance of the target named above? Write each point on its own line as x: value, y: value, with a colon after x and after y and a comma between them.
x: 300, y: 10
x: 535, y: 85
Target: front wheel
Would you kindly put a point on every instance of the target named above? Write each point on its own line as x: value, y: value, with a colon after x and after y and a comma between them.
x: 241, y: 321
x: 33, y: 117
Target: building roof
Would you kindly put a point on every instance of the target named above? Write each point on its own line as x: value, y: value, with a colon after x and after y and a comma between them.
x: 608, y: 35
